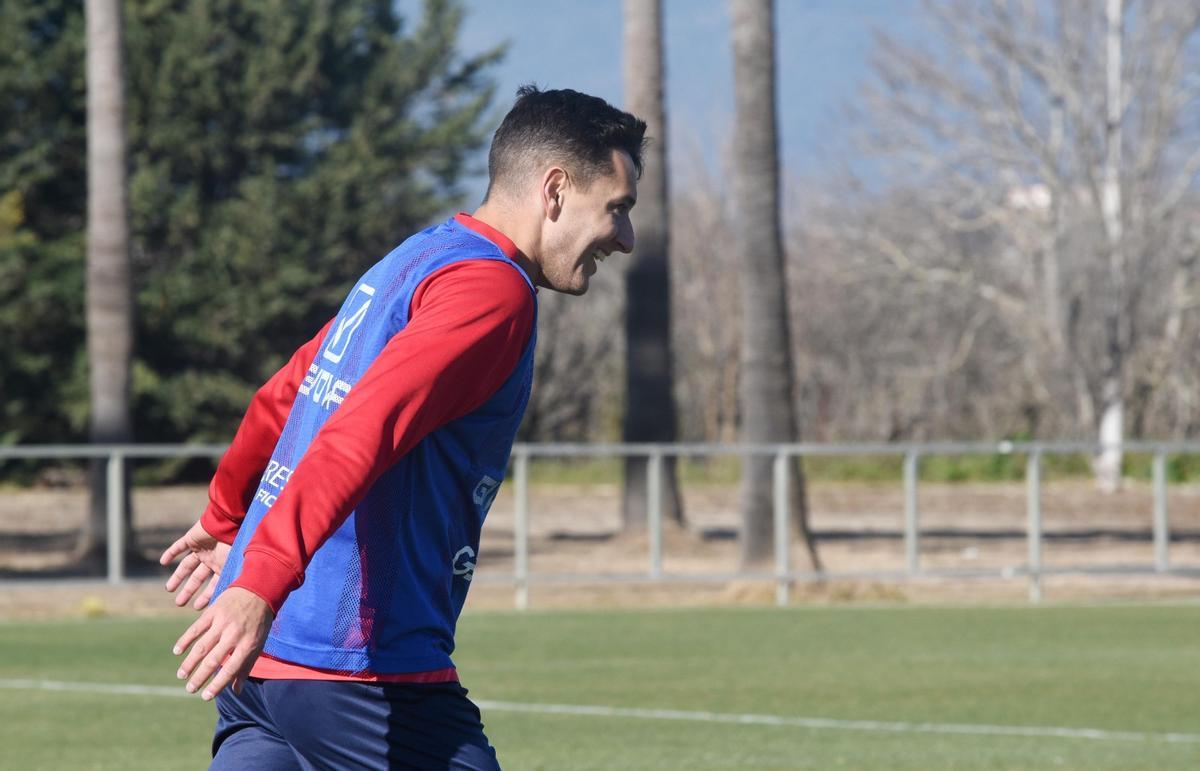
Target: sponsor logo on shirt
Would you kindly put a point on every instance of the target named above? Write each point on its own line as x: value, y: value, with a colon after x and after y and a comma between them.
x: 463, y: 563
x: 271, y: 485
x: 485, y: 492
x: 346, y: 327
x: 322, y: 386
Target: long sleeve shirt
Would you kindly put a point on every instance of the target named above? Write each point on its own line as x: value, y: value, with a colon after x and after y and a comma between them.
x: 441, y: 366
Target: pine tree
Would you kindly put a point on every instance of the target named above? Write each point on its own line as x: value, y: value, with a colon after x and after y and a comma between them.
x: 275, y: 150
x: 278, y: 150
x: 43, y: 376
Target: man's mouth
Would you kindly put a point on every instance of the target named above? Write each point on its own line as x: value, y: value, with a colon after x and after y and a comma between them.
x: 599, y: 255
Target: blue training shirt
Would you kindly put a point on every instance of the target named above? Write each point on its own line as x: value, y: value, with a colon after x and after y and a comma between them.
x: 384, y: 592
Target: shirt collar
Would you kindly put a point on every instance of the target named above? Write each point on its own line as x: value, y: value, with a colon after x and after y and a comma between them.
x: 490, y: 233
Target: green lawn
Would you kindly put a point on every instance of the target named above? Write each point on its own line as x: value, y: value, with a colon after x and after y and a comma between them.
x: 1111, y: 668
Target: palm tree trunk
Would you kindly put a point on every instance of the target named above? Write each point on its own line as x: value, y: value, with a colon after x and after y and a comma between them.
x: 768, y: 414
x: 649, y: 384
x: 1112, y: 392
x: 109, y: 291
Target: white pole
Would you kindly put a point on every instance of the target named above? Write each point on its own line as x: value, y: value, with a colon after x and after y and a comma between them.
x: 521, y: 530
x: 654, y: 469
x: 1162, y: 532
x: 912, y: 534
x: 115, y: 506
x: 1033, y: 479
x: 782, y: 547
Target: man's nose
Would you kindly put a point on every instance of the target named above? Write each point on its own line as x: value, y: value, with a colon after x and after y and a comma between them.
x: 625, y: 237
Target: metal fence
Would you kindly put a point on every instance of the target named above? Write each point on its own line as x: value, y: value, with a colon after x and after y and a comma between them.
x: 783, y: 575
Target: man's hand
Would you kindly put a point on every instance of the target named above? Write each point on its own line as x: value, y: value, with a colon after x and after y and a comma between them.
x: 205, y: 558
x: 225, y: 640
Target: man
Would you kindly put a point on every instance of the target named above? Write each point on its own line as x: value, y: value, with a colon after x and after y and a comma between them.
x: 344, y: 520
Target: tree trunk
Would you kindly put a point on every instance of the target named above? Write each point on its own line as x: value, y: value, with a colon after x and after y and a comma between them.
x: 109, y: 290
x: 649, y: 403
x: 768, y: 414
x: 1112, y: 390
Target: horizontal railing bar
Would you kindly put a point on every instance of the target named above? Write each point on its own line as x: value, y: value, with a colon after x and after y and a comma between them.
x: 677, y: 449
x: 863, y: 448
x: 19, y: 451
x: 899, y: 575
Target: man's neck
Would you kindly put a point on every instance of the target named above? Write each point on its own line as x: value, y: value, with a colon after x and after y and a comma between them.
x: 523, y: 235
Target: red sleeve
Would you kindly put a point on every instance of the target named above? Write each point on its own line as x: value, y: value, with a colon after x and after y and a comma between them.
x: 242, y: 465
x: 441, y: 366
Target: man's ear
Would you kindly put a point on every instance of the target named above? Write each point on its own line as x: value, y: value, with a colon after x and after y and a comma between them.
x: 554, y: 186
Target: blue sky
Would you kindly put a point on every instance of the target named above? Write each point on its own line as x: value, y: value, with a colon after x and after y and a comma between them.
x: 823, y: 52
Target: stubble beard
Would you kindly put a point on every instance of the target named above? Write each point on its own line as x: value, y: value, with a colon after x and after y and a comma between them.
x: 569, y: 279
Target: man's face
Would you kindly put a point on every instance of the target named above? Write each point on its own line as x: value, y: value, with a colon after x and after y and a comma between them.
x: 592, y: 224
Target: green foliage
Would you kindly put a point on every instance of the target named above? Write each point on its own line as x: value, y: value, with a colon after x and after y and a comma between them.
x: 42, y: 193
x: 574, y: 471
x: 276, y: 150
x: 41, y: 322
x: 1183, y: 468
x: 997, y: 467
x: 1180, y: 468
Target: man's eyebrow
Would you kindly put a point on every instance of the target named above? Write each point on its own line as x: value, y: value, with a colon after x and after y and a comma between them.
x: 625, y: 200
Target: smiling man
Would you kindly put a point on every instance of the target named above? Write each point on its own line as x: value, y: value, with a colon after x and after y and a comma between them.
x: 344, y: 520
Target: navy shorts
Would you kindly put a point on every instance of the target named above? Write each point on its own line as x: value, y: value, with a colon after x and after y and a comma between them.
x: 322, y: 724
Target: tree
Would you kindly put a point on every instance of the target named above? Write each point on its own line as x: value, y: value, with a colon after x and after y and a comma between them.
x: 275, y: 150
x: 1056, y: 137
x: 109, y: 288
x: 706, y: 315
x: 649, y: 384
x: 767, y: 391
x: 43, y: 366
x: 279, y: 150
x: 577, y: 368
x: 1116, y: 315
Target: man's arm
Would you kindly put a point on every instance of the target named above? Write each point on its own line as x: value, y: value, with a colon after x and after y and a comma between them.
x: 469, y: 325
x: 237, y: 475
x: 205, y: 546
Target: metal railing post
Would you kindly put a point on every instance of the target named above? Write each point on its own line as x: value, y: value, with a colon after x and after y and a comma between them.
x: 115, y: 516
x: 118, y: 457
x: 1162, y: 533
x: 912, y: 532
x: 654, y: 506
x: 1033, y: 481
x: 779, y: 477
x: 521, y: 529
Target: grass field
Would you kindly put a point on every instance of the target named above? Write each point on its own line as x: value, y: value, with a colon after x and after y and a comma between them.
x: 1106, y: 687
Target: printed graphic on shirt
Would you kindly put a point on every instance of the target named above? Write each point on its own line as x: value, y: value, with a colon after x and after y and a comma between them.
x: 271, y: 485
x: 485, y: 492
x: 462, y: 563
x: 360, y: 301
x: 319, y: 384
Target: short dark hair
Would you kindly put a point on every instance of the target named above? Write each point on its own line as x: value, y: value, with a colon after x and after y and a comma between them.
x: 562, y: 126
